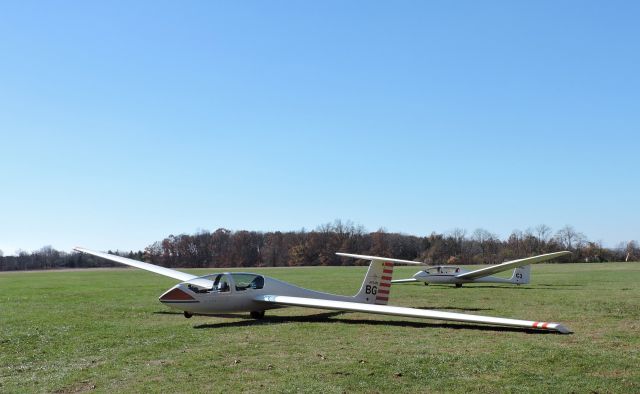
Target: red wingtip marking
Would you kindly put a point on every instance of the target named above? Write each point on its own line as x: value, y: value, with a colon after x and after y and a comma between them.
x: 535, y: 324
x: 544, y: 325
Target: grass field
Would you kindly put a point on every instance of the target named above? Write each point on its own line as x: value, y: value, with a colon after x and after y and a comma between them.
x: 104, y: 330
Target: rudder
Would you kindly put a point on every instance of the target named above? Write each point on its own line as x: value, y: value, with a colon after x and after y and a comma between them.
x: 376, y: 286
x: 521, y: 275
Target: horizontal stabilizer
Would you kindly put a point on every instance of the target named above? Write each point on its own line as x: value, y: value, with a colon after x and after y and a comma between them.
x: 410, y: 280
x: 377, y: 258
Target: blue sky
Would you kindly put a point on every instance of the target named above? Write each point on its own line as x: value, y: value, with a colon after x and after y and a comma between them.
x: 124, y: 122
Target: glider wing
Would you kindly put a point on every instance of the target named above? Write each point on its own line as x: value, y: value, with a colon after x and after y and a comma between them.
x: 510, y: 264
x: 181, y: 276
x: 408, y: 312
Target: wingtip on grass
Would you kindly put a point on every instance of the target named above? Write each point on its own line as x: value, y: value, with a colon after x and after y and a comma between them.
x: 563, y: 329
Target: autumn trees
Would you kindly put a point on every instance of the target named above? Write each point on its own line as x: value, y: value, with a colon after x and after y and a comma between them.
x: 225, y: 248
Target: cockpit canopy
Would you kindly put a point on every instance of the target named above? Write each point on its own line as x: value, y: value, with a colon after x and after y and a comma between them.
x: 442, y: 270
x: 247, y: 281
x: 240, y: 281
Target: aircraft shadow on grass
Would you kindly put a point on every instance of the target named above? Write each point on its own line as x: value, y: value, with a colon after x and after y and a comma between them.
x: 329, y: 317
x: 453, y: 308
x: 166, y: 313
x: 564, y: 285
x: 546, y: 287
x: 336, y: 313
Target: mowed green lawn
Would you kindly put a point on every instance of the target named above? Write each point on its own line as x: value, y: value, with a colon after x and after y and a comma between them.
x: 104, y: 330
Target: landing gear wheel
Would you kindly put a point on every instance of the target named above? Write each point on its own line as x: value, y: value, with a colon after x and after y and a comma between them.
x: 257, y: 314
x: 458, y: 285
x: 188, y: 315
x: 426, y: 284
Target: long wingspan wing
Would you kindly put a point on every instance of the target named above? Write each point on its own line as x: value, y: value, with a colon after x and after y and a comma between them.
x: 511, y: 264
x: 408, y: 312
x: 181, y: 276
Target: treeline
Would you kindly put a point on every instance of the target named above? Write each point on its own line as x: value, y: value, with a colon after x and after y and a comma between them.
x: 225, y: 248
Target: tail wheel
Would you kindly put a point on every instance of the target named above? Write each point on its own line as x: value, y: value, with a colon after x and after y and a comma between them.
x: 257, y: 314
x: 426, y: 284
x: 458, y: 284
x: 188, y: 315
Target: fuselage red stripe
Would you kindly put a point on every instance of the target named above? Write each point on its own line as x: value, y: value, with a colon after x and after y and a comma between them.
x: 387, y: 264
x: 535, y: 324
x: 386, y: 278
x: 382, y: 298
x: 387, y: 271
x: 383, y: 291
x: 544, y: 325
x: 385, y: 284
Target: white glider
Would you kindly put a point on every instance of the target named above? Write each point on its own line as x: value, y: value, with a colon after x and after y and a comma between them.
x: 231, y: 292
x: 449, y: 274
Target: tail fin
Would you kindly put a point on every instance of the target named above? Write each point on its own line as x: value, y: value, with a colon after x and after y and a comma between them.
x: 521, y: 275
x: 377, y: 283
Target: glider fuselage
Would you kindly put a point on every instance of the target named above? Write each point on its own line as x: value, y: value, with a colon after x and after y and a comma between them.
x: 236, y: 292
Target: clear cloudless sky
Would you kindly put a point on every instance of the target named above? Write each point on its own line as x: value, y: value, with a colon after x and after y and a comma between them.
x: 123, y: 122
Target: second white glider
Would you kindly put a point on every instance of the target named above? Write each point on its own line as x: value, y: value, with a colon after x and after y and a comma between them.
x: 456, y: 275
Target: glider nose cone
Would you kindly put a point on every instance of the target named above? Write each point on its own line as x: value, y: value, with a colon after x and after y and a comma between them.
x: 176, y: 294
